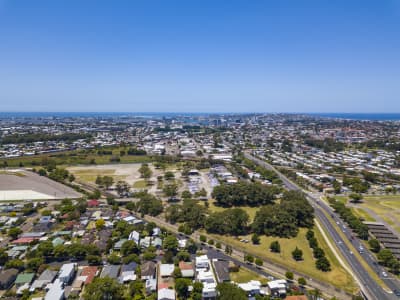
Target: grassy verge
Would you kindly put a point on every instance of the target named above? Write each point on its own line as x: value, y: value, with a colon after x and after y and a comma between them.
x: 359, y: 212
x: 337, y: 277
x: 244, y: 275
x: 355, y: 253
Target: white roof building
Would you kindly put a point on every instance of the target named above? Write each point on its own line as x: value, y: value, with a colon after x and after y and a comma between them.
x: 202, y: 262
x: 56, y: 291
x: 166, y: 294
x: 166, y: 270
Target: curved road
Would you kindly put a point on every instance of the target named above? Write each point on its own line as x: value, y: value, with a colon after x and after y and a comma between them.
x: 369, y: 287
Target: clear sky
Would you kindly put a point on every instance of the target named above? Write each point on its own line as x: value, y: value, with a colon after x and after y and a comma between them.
x: 200, y: 55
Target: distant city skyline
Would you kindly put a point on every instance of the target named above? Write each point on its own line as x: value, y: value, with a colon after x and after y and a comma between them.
x: 205, y: 56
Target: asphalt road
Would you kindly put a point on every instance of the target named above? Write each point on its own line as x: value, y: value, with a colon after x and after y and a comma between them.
x: 370, y: 288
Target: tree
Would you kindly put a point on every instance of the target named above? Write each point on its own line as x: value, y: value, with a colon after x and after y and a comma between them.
x: 114, y: 259
x: 289, y: 275
x: 13, y: 232
x: 337, y: 187
x: 248, y: 258
x: 34, y: 263
x: 129, y: 247
x: 42, y: 172
x: 170, y: 190
x: 145, y: 171
x: 302, y: 281
x: 46, y: 248
x: 149, y: 205
x: 323, y: 264
x: 100, y: 223
x: 122, y: 188
x: 182, y: 287
x: 183, y: 256
x: 3, y: 256
x: 230, y: 221
x: 228, y: 249
x: 259, y: 262
x: 104, y: 288
x: 93, y: 259
x: 374, y: 245
x: 186, y: 195
x: 385, y: 256
x: 191, y: 246
x: 356, y: 198
x: 108, y: 181
x: 131, y: 258
x: 255, y: 239
x: 318, y: 252
x: 177, y: 273
x: 275, y: 247
x: 169, y: 175
x: 15, y: 264
x: 229, y: 291
x: 244, y: 193
x: 203, y: 238
x: 170, y: 243
x: 297, y: 254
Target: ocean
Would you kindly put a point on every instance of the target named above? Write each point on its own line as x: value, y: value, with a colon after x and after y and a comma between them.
x: 349, y: 116
x: 360, y: 116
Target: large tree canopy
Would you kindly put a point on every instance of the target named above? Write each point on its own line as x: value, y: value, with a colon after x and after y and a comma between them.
x: 244, y: 193
x: 104, y: 289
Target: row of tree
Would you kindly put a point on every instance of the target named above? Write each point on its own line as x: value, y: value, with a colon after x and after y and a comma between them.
x: 322, y: 263
x: 347, y: 215
x: 244, y: 193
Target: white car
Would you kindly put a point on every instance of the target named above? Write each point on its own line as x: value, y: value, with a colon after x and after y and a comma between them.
x: 384, y: 274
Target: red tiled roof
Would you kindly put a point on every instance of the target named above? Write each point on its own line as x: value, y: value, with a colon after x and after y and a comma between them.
x: 163, y: 285
x: 93, y: 202
x: 24, y: 240
x: 185, y: 265
x: 90, y: 273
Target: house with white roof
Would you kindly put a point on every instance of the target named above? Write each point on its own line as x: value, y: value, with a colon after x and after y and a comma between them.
x: 166, y: 294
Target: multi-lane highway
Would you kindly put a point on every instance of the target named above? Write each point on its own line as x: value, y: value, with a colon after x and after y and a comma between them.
x: 370, y: 288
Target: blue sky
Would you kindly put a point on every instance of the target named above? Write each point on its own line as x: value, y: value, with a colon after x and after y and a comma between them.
x: 200, y: 55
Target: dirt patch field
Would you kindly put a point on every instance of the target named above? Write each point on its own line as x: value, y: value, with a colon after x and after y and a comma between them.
x: 25, y: 185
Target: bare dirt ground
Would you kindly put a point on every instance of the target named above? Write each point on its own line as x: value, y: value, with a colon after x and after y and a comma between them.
x: 126, y: 172
x: 25, y: 185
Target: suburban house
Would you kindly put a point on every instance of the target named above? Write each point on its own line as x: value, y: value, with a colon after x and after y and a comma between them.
x: 148, y: 270
x: 128, y: 272
x: 166, y: 294
x: 187, y: 269
x: 7, y: 278
x: 111, y: 271
x: 67, y: 272
x: 221, y: 269
x: 166, y: 270
x: 44, y: 279
x: 56, y: 291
